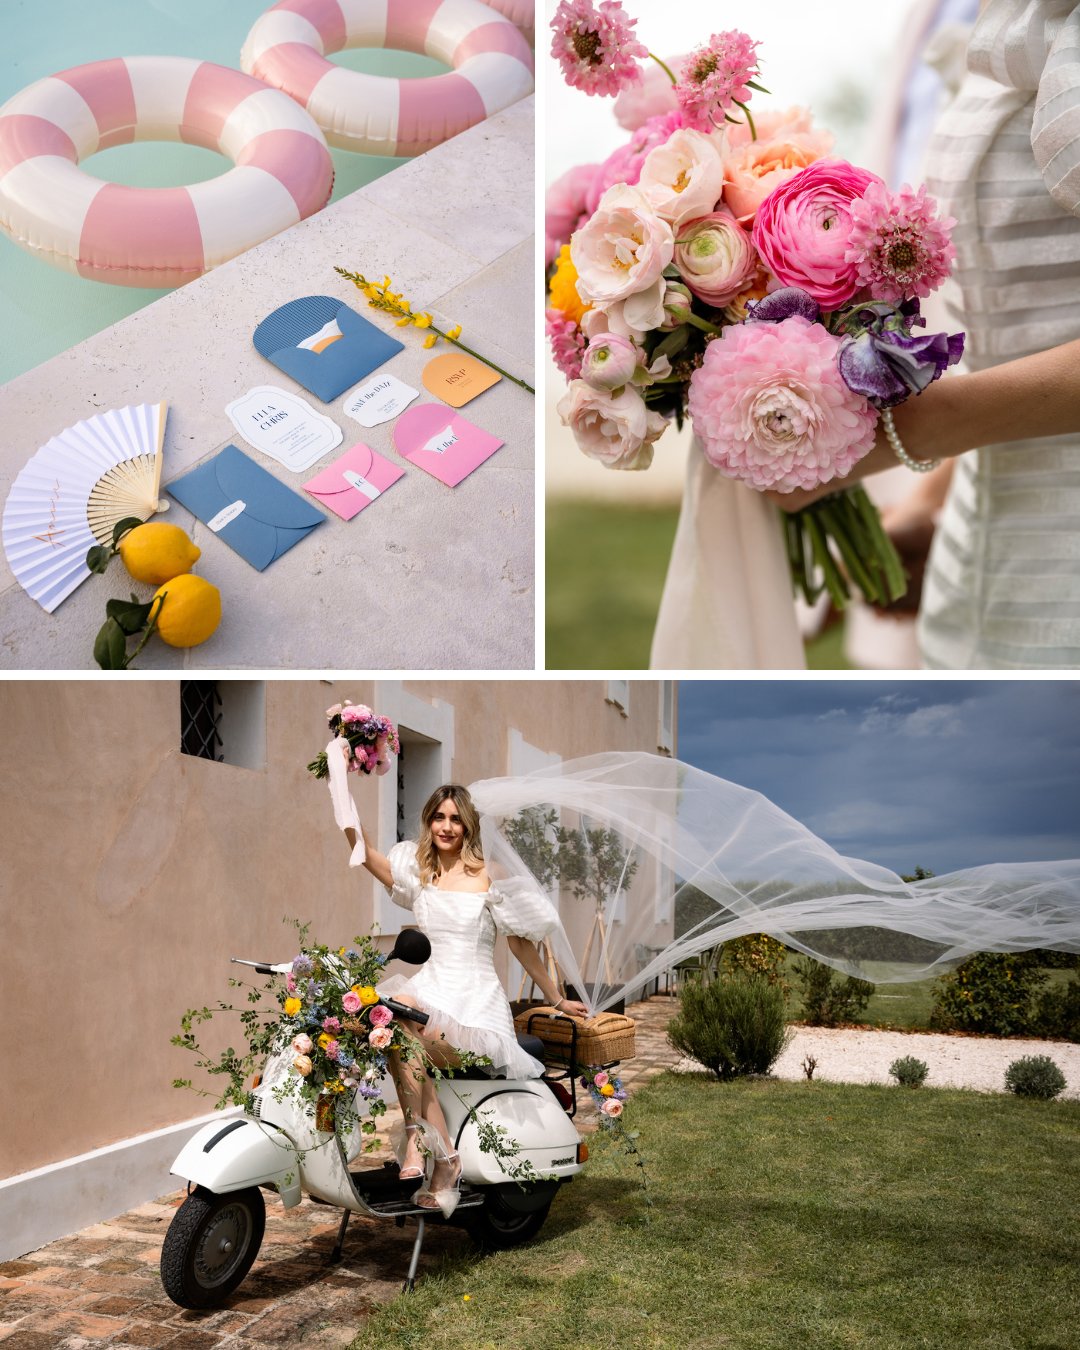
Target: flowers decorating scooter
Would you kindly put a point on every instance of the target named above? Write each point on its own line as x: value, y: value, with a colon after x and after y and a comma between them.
x: 280, y: 1143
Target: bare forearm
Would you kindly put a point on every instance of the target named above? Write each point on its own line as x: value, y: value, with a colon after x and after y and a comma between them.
x: 529, y: 959
x: 376, y: 863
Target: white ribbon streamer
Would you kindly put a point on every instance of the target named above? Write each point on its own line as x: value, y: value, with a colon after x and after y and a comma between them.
x: 345, y: 813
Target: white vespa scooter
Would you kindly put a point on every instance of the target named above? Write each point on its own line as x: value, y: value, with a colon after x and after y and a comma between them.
x: 275, y: 1145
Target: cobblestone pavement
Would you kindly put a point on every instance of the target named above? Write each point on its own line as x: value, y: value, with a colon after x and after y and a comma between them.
x: 100, y: 1287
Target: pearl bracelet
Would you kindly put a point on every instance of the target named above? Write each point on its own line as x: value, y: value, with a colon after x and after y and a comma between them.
x: 893, y: 437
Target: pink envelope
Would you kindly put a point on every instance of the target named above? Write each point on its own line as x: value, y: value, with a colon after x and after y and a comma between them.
x: 353, y: 481
x: 434, y: 437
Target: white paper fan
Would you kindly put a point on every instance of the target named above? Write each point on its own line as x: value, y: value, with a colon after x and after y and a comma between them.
x: 72, y: 492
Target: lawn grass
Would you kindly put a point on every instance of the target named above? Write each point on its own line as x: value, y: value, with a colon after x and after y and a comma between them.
x: 787, y: 1214
x: 605, y: 574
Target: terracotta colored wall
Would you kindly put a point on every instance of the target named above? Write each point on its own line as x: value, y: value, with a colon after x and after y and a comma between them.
x: 131, y: 873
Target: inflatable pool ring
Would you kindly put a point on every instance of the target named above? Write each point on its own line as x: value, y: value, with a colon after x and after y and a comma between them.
x: 492, y: 68
x: 131, y: 236
x: 520, y: 12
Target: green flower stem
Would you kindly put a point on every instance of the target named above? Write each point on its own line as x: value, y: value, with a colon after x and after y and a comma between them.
x: 151, y: 624
x: 834, y: 579
x: 486, y: 360
x: 703, y: 324
x: 895, y: 577
x: 749, y: 119
x: 665, y: 68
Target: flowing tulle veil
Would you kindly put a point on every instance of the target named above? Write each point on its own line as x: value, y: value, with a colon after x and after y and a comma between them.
x: 650, y: 861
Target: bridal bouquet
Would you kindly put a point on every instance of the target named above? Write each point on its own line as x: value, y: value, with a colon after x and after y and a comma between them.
x: 372, y: 739
x: 725, y: 266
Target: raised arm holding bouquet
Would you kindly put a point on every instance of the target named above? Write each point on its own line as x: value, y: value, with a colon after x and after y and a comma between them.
x: 722, y: 266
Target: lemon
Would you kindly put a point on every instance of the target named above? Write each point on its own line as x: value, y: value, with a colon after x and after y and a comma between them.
x: 157, y: 552
x: 190, y: 612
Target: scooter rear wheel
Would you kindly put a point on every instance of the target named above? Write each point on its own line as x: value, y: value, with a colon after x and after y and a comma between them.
x: 509, y: 1215
x: 210, y: 1246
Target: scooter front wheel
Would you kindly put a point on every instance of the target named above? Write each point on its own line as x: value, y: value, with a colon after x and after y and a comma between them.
x: 210, y: 1246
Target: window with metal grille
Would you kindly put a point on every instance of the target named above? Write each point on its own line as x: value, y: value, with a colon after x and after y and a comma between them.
x: 224, y: 721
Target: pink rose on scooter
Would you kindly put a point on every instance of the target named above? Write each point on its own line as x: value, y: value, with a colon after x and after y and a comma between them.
x: 302, y: 1044
x: 380, y: 1038
x: 380, y: 1015
x: 351, y: 1002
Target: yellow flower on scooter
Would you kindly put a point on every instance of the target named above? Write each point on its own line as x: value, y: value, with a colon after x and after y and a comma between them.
x: 292, y: 1007
x: 366, y: 994
x: 324, y: 1040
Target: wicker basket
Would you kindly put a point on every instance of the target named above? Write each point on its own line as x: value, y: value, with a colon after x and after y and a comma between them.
x: 600, y: 1040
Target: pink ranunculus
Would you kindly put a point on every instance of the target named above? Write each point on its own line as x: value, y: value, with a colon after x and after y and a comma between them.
x: 653, y: 97
x: 758, y: 167
x: 564, y: 205
x: 302, y: 1044
x: 361, y: 758
x: 622, y: 250
x: 380, y: 1015
x: 803, y: 228
x: 683, y: 178
x: 600, y: 1078
x: 380, y: 1038
x: 351, y: 1002
x: 770, y: 407
x: 302, y: 1065
x: 612, y: 1107
x: 333, y: 712
x: 715, y: 257
x: 616, y: 429
x: 609, y: 362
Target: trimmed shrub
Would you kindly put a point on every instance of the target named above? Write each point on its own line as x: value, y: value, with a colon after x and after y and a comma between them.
x: 1035, y: 1076
x: 1057, y: 1015
x: 909, y: 1071
x: 755, y: 954
x: 734, y: 1026
x: 991, y: 992
x: 827, y: 999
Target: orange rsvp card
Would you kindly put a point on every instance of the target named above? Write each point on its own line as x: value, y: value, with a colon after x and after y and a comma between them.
x: 456, y: 378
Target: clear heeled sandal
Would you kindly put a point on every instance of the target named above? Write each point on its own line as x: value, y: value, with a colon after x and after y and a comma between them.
x: 444, y: 1198
x: 417, y: 1170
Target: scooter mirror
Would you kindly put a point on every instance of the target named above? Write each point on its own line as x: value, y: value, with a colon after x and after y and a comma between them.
x: 411, y: 946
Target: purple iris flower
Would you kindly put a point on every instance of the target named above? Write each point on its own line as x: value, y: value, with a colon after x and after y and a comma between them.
x: 887, y: 366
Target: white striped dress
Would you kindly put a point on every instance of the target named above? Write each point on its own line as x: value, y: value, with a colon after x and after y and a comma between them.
x: 1003, y: 586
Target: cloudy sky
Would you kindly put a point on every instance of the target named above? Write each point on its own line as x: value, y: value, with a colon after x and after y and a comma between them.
x: 938, y: 774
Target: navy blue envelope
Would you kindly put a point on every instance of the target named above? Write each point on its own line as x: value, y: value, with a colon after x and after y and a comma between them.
x: 329, y: 364
x: 272, y: 519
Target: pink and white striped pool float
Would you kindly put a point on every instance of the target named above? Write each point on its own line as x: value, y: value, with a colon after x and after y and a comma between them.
x: 492, y: 68
x: 282, y: 171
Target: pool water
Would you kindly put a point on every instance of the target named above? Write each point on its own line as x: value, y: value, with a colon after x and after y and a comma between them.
x: 44, y: 311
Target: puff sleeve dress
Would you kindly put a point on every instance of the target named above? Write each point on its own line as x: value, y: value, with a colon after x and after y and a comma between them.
x: 458, y: 986
x: 1003, y: 585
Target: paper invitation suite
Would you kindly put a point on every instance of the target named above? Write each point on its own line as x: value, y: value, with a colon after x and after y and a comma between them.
x: 442, y: 442
x: 284, y: 426
x: 256, y: 515
x: 354, y: 481
x: 379, y: 400
x: 323, y: 344
x: 456, y: 378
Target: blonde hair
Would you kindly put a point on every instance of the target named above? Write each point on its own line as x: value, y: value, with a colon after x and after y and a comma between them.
x: 472, y: 854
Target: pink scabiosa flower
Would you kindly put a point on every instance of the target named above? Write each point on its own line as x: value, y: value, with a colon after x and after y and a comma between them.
x: 770, y: 407
x: 802, y: 230
x: 716, y: 77
x: 615, y: 428
x: 899, y: 246
x: 567, y: 342
x: 596, y: 46
x: 380, y: 1015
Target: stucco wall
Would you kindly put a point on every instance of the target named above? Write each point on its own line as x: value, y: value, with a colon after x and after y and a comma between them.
x: 132, y: 872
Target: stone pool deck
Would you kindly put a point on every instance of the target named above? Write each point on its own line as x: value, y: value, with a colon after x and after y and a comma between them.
x: 428, y: 577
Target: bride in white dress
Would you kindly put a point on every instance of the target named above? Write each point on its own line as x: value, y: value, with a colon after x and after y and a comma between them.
x: 443, y: 880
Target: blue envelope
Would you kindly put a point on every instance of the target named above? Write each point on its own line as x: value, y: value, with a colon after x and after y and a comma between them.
x: 257, y: 516
x: 323, y: 344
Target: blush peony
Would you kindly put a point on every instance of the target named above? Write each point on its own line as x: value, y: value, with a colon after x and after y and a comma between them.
x: 684, y: 178
x: 615, y: 428
x: 770, y: 407
x: 803, y: 228
x: 623, y: 249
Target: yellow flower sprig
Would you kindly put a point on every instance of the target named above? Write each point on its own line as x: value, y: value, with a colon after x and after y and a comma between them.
x: 380, y: 296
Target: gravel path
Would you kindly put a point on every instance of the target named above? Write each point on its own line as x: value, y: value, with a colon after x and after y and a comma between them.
x: 855, y: 1056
